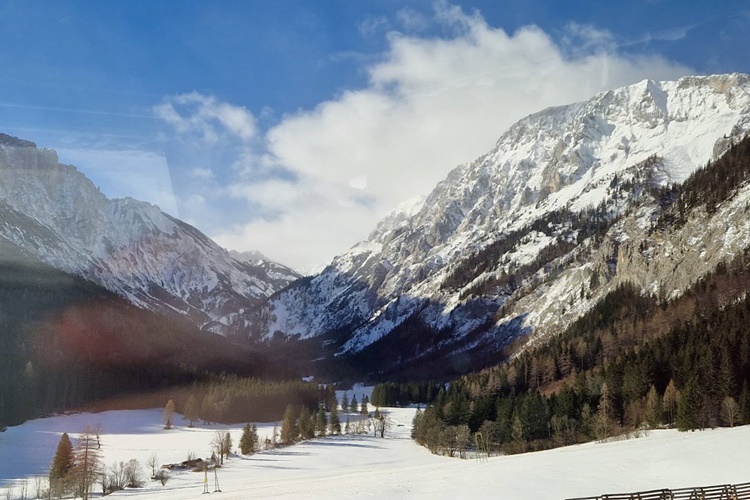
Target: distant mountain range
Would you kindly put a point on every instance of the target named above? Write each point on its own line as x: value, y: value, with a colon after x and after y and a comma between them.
x: 509, y: 248
x: 51, y: 213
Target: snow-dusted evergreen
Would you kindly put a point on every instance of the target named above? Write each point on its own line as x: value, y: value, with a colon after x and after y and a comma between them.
x: 539, y: 186
x: 53, y: 213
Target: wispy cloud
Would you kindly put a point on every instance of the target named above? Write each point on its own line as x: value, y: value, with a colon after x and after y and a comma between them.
x: 80, y: 111
x: 206, y: 116
x: 373, y: 26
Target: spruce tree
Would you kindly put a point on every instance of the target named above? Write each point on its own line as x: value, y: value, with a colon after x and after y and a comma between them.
x: 344, y: 403
x: 354, y: 405
x: 289, y: 428
x: 689, y: 407
x: 63, y: 460
x: 744, y: 403
x: 653, y: 408
x: 321, y: 423
x: 227, y: 445
x: 335, y: 422
x: 306, y: 424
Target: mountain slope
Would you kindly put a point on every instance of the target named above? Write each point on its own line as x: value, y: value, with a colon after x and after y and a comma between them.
x: 54, y: 214
x: 66, y: 342
x: 528, y: 236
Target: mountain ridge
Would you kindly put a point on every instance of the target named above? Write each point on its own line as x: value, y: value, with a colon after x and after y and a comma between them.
x: 128, y: 246
x: 563, y: 158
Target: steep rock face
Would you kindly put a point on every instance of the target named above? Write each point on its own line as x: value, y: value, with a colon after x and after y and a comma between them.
x: 605, y: 152
x: 53, y: 213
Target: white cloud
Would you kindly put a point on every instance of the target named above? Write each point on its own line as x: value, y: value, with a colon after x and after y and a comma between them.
x: 206, y: 116
x: 202, y: 173
x: 373, y: 25
x: 412, y: 20
x: 430, y: 104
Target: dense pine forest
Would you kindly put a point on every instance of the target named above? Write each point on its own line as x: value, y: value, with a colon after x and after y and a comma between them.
x: 231, y: 399
x: 633, y: 362
x: 618, y: 369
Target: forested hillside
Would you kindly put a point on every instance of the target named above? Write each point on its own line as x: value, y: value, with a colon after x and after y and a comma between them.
x: 66, y: 343
x: 633, y: 361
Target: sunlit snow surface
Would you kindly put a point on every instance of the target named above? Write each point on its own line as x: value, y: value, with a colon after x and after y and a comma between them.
x: 395, y: 467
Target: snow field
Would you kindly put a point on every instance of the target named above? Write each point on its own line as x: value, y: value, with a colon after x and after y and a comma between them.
x: 364, y: 466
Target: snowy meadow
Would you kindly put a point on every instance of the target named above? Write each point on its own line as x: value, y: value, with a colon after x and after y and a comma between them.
x: 351, y: 466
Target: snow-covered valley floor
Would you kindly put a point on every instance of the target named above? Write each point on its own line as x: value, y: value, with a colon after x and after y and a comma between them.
x: 395, y: 467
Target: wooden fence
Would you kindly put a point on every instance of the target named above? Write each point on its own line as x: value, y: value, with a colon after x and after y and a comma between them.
x: 721, y: 492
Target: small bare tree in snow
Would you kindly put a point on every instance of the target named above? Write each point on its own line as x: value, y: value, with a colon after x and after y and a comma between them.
x: 152, y: 462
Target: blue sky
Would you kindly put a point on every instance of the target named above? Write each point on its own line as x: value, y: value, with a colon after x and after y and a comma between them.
x: 292, y: 126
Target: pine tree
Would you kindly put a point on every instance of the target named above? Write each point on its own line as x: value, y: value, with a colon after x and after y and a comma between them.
x: 191, y: 410
x: 364, y: 410
x: 653, y: 408
x: 586, y: 420
x: 671, y: 395
x: 347, y: 426
x: 689, y: 407
x: 249, y: 440
x: 63, y: 460
x: 518, y: 432
x: 335, y: 422
x: 289, y: 428
x: 344, y: 403
x: 354, y: 405
x: 603, y: 415
x: 227, y: 445
x: 744, y: 403
x: 726, y: 373
x: 306, y: 423
x: 321, y: 422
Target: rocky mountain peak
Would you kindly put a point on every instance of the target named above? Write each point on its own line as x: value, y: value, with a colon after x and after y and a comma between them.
x: 9, y: 140
x: 53, y: 213
x: 531, y: 197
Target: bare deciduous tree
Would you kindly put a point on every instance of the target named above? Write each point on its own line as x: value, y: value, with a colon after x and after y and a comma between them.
x: 98, y: 430
x: 381, y: 422
x: 134, y: 474
x: 87, y: 467
x: 730, y: 411
x: 115, y: 477
x: 152, y: 462
x: 221, y: 444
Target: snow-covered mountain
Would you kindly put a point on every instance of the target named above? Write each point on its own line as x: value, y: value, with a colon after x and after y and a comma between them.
x: 527, y: 237
x: 52, y: 213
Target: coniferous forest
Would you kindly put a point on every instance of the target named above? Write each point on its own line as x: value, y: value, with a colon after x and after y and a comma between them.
x: 67, y: 344
x: 633, y: 362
